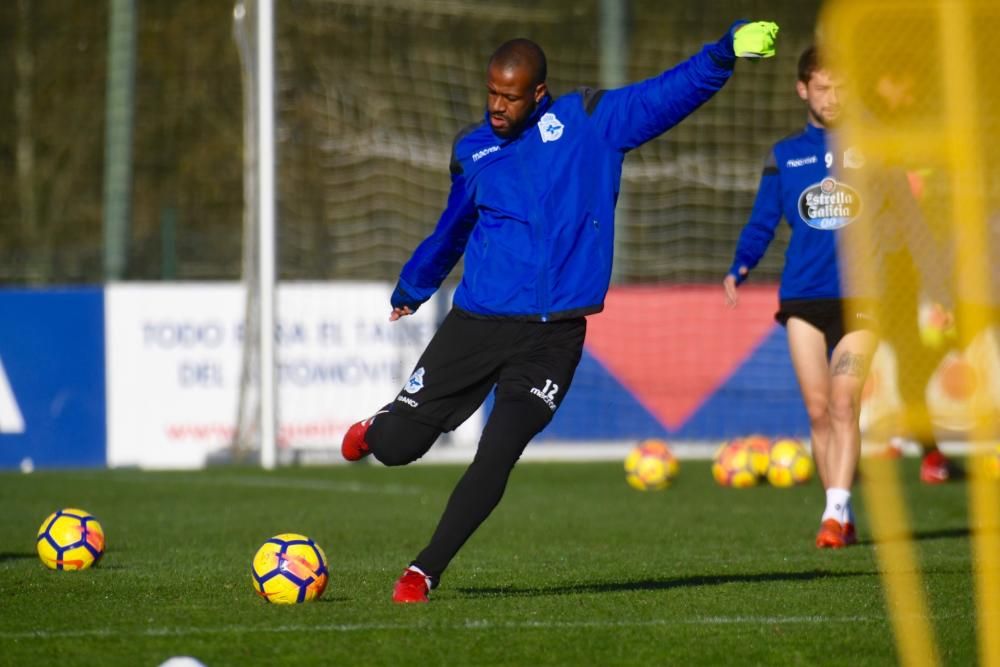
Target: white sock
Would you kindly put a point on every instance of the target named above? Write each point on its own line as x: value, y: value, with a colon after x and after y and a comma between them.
x: 850, y: 511
x: 838, y: 502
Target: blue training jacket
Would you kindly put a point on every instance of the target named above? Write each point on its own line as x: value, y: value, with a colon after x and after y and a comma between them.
x: 792, y: 186
x: 822, y: 190
x: 534, y: 213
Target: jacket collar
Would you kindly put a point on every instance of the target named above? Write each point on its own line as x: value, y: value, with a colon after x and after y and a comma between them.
x: 815, y: 131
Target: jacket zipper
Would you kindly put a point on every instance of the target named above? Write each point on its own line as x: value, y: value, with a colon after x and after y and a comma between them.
x: 538, y: 234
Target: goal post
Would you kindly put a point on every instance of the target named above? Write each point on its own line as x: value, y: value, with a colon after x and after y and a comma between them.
x: 257, y: 405
x: 267, y: 211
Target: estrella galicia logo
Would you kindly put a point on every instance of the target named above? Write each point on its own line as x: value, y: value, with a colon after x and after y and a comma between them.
x: 550, y: 127
x: 829, y: 205
x: 416, y: 381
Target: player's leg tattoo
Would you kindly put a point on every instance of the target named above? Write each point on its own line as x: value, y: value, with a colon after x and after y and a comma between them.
x: 850, y: 363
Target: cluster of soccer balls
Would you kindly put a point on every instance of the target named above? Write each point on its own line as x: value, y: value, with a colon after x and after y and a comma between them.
x: 745, y: 462
x: 287, y: 569
x: 739, y: 463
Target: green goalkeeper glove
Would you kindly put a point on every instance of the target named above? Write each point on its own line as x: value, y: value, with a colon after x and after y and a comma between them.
x: 755, y: 40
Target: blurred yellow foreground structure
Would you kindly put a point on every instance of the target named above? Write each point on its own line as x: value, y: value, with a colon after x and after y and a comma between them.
x: 922, y: 103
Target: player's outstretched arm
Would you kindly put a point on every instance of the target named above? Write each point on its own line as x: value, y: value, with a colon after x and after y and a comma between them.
x: 630, y: 116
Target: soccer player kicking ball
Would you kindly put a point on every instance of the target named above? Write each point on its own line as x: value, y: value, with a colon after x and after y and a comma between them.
x: 533, y: 192
x: 831, y: 332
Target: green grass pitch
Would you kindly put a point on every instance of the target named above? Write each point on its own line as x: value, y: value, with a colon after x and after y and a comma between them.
x: 573, y: 568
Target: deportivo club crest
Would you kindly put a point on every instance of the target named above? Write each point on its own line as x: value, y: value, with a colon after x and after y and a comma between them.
x: 416, y: 381
x: 550, y: 127
x: 829, y: 205
x: 854, y: 158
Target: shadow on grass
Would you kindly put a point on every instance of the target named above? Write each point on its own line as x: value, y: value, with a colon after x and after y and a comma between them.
x: 923, y: 535
x: 660, y: 584
x: 17, y: 555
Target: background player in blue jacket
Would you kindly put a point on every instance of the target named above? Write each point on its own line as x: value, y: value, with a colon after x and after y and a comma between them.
x: 825, y: 192
x: 831, y: 348
x: 531, y: 206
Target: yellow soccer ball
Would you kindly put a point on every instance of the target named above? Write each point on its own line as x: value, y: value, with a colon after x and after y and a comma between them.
x: 760, y: 453
x: 70, y: 539
x: 733, y: 465
x: 288, y: 569
x: 650, y: 466
x: 790, y: 464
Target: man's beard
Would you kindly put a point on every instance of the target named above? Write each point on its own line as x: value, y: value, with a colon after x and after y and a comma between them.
x: 822, y: 118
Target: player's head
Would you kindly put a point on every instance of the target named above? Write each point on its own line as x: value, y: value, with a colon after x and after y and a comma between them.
x: 820, y: 88
x: 515, y: 84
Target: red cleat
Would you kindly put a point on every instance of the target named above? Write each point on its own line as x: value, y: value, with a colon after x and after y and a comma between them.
x: 354, y: 447
x: 413, y: 586
x: 850, y: 535
x: 934, y: 468
x: 830, y: 535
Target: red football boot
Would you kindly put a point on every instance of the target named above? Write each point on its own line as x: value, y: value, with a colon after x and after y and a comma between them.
x: 934, y: 468
x: 354, y: 447
x: 413, y: 586
x: 830, y: 535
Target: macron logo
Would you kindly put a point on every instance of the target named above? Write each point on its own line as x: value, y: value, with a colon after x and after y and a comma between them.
x: 479, y: 155
x: 802, y: 161
x: 11, y: 420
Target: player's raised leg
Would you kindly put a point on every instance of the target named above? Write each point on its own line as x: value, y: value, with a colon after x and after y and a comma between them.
x: 450, y: 381
x: 355, y: 444
x: 394, y: 439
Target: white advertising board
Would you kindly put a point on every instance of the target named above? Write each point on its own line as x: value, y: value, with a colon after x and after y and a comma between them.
x: 174, y: 354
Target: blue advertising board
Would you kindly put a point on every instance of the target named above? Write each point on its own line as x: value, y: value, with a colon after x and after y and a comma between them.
x: 52, y: 378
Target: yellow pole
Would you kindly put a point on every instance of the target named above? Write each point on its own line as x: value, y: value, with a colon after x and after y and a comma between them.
x: 963, y: 97
x: 898, y: 564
